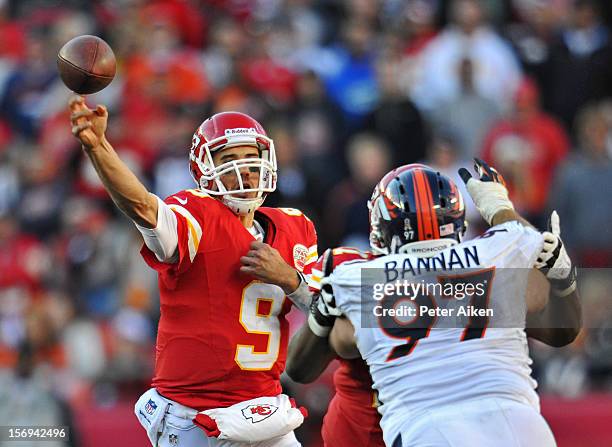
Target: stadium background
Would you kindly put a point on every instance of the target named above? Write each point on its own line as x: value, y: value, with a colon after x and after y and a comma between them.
x: 347, y: 89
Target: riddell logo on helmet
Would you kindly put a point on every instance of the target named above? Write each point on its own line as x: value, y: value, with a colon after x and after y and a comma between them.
x: 240, y: 131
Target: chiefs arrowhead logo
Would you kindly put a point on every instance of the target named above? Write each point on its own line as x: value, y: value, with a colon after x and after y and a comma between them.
x: 300, y: 253
x: 258, y: 413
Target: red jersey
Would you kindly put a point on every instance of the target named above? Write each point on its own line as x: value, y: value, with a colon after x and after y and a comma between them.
x: 352, y: 419
x: 222, y: 335
x: 534, y: 150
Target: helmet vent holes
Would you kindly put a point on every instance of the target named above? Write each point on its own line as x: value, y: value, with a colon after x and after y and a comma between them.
x: 402, y: 190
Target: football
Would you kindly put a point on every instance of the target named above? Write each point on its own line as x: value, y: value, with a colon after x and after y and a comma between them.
x: 86, y: 64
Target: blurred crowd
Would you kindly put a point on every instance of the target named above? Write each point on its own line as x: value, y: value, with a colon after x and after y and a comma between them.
x: 347, y: 89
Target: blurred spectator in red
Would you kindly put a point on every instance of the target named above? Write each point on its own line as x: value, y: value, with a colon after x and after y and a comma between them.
x: 580, y: 65
x: 496, y: 70
x: 185, y: 17
x: 395, y: 117
x: 24, y: 261
x: 346, y: 214
x: 581, y: 192
x: 467, y: 117
x: 265, y: 74
x: 420, y: 25
x: 12, y: 38
x: 159, y: 75
x: 527, y: 146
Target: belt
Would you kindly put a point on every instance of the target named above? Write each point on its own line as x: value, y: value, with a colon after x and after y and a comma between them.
x: 179, y: 410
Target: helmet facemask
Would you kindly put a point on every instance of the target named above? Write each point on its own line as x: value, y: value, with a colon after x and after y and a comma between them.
x: 210, y: 180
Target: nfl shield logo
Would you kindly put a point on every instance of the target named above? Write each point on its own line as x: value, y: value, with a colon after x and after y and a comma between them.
x: 173, y: 439
x: 150, y: 407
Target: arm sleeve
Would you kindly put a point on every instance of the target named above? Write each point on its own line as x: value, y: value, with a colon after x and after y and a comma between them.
x: 302, y: 296
x: 189, y: 221
x: 163, y: 239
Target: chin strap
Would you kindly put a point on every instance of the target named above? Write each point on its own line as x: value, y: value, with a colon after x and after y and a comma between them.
x: 242, y: 207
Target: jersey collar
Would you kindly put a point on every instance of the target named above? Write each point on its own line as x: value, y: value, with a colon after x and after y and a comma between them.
x: 267, y: 225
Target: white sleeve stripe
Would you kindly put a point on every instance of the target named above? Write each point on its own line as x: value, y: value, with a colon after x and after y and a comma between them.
x: 163, y: 239
x: 195, y: 231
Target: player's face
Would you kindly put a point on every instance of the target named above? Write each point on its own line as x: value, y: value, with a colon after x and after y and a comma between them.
x: 250, y: 176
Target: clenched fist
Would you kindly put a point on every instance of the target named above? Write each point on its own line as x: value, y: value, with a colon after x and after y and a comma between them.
x: 88, y: 125
x: 266, y: 264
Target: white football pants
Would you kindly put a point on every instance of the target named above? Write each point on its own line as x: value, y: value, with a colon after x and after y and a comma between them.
x: 181, y: 432
x: 483, y: 422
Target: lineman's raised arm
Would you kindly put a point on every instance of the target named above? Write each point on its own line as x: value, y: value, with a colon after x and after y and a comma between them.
x: 554, y: 314
x: 128, y: 193
x: 489, y: 193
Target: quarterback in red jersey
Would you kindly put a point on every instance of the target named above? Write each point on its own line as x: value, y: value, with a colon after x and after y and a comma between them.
x: 228, y: 272
x: 352, y: 419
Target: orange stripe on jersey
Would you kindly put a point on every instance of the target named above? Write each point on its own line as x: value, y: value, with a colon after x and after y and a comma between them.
x: 194, y: 235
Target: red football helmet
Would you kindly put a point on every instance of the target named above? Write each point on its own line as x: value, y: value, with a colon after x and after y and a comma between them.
x: 222, y: 131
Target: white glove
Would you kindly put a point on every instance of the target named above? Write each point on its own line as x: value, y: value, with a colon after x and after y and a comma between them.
x: 554, y: 261
x: 488, y: 192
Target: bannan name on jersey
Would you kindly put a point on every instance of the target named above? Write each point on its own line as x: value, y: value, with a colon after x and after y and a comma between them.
x: 452, y: 259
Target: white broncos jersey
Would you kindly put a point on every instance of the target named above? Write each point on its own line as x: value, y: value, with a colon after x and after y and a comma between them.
x: 462, y: 341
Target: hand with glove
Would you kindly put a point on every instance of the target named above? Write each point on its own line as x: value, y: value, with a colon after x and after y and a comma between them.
x: 488, y: 191
x: 323, y: 311
x: 554, y: 261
